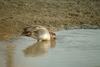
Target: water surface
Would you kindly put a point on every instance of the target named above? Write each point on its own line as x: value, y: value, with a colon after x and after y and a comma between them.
x: 73, y: 48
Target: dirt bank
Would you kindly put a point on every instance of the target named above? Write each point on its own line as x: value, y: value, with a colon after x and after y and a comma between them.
x: 68, y: 14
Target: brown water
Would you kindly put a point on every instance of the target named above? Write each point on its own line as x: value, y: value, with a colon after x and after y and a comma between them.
x: 73, y: 48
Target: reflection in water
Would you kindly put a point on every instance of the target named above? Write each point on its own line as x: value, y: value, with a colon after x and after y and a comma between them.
x: 13, y: 54
x: 39, y: 48
x: 53, y: 43
x: 6, y: 54
x: 9, y: 55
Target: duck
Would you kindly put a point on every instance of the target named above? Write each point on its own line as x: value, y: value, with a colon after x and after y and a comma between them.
x: 38, y: 32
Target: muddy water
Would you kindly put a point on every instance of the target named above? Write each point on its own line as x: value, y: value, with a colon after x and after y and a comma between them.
x: 73, y: 48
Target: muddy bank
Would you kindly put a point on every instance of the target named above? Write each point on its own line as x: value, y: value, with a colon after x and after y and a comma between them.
x: 56, y: 14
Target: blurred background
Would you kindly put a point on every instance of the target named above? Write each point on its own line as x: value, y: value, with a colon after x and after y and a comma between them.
x: 57, y: 14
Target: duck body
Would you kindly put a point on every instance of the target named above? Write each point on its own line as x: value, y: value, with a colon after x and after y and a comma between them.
x: 40, y: 33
